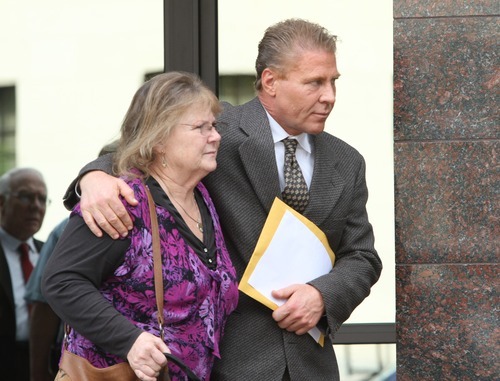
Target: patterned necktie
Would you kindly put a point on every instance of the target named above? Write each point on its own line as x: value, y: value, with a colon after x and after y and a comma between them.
x: 26, y: 265
x: 295, y: 194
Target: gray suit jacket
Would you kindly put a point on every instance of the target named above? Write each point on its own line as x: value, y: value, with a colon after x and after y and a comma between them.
x: 243, y: 189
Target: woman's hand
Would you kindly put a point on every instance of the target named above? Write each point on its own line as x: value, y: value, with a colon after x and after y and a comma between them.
x: 101, y: 206
x: 146, y: 357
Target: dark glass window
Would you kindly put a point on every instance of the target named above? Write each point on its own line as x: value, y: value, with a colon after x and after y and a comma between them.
x: 7, y: 128
x: 236, y: 89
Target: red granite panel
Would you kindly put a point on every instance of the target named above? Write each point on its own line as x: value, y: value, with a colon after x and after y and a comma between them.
x: 447, y: 202
x: 447, y: 322
x: 439, y: 8
x: 446, y: 78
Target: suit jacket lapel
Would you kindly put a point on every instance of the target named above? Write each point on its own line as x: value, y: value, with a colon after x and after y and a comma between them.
x: 327, y: 184
x: 5, y: 281
x: 38, y: 244
x: 257, y: 154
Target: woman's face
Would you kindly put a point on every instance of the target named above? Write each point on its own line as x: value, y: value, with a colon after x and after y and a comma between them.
x: 191, y: 148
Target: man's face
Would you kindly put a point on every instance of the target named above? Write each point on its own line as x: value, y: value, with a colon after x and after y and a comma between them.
x: 305, y: 95
x: 23, y: 209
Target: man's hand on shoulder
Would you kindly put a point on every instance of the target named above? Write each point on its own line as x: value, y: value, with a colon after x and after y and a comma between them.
x: 101, y: 205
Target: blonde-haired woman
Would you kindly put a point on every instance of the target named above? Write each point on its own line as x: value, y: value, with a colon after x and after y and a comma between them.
x: 103, y: 288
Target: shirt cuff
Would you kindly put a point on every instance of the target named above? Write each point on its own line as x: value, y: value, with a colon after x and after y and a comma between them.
x: 78, y: 190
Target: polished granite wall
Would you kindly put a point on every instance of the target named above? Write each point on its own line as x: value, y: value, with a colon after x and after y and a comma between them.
x: 447, y: 180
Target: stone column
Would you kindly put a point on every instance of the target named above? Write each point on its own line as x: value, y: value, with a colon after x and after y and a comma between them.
x: 447, y: 186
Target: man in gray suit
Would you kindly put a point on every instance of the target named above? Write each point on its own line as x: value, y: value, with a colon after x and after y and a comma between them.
x: 296, y: 74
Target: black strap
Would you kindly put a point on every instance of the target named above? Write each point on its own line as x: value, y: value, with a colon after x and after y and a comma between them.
x: 177, y: 361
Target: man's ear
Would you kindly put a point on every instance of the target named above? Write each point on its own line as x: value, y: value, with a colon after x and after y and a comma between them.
x: 269, y: 81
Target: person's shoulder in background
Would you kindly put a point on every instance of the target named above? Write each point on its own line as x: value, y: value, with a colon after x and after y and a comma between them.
x: 33, y: 287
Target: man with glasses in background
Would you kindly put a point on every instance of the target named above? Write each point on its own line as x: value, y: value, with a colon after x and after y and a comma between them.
x: 23, y: 201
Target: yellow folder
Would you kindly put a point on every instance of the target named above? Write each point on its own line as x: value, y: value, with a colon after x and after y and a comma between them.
x: 291, y: 249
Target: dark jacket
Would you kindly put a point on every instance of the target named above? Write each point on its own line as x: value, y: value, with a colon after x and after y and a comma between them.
x: 8, y: 317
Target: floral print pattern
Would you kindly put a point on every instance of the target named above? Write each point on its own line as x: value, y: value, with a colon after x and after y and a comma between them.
x: 197, y: 300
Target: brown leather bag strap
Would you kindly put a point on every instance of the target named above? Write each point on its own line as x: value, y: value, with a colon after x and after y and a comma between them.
x: 158, y: 274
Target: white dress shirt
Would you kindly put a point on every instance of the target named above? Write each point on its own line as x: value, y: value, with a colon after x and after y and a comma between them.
x: 304, y: 152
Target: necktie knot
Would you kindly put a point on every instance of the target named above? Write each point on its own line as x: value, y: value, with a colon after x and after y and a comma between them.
x: 296, y: 193
x: 290, y: 145
x: 26, y: 265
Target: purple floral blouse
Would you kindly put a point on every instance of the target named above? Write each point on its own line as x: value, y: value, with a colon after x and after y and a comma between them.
x: 197, y: 300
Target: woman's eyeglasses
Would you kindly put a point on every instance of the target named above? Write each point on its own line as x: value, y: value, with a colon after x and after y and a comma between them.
x: 206, y: 128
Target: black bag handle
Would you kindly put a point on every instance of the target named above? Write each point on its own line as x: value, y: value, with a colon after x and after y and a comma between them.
x: 177, y: 361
